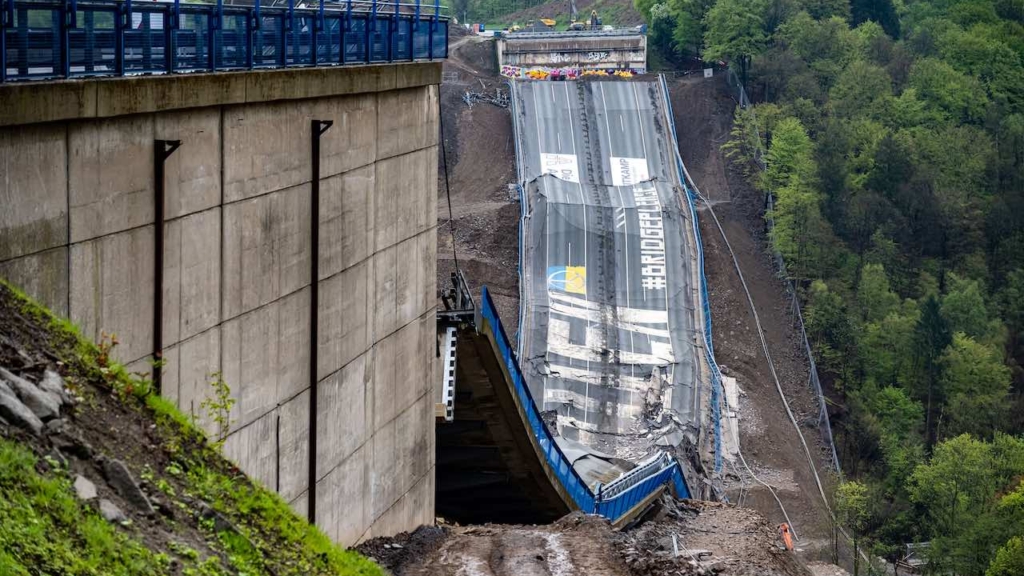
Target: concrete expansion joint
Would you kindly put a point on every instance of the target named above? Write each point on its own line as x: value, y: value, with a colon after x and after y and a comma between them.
x: 369, y: 438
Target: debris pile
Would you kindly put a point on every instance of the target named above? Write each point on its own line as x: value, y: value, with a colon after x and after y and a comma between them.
x: 703, y: 538
x: 499, y: 99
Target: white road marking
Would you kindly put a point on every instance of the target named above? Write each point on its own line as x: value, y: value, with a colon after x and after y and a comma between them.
x: 558, y: 343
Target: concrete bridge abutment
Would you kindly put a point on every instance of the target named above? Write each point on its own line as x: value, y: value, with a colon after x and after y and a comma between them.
x: 78, y: 233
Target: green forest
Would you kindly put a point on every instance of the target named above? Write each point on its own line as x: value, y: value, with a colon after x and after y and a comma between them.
x: 891, y: 133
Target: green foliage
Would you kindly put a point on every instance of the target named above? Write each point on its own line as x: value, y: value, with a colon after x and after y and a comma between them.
x: 975, y: 383
x: 959, y: 96
x: 1009, y: 560
x: 958, y: 490
x: 735, y: 30
x: 852, y: 511
x: 875, y: 297
x: 889, y: 136
x: 963, y: 307
x: 44, y: 529
x: 218, y: 407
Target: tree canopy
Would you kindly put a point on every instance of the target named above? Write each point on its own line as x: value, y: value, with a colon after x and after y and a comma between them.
x: 888, y: 137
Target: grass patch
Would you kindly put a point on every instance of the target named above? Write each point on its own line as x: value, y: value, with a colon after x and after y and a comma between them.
x: 44, y: 529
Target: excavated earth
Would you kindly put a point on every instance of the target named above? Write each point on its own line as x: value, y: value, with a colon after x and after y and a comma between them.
x: 484, y: 217
x: 685, y: 538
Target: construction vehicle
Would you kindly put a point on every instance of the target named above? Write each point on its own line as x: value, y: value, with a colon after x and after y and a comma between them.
x: 548, y: 22
x: 576, y: 24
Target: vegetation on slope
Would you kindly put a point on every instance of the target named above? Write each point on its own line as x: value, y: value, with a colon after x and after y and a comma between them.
x: 507, y: 12
x: 212, y: 519
x: 893, y: 137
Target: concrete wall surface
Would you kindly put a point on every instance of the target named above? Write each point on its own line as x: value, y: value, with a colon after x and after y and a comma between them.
x: 78, y: 229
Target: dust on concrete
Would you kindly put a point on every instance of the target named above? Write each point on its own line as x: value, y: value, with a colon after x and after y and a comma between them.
x: 703, y: 111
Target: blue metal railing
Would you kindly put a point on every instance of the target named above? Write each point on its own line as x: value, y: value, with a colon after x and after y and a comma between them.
x: 612, y: 500
x: 47, y: 39
x: 709, y: 351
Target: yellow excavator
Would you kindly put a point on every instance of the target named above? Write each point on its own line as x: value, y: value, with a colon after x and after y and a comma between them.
x: 576, y: 24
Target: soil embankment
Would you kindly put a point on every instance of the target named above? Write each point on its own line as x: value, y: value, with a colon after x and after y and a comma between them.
x: 703, y: 111
x: 481, y: 165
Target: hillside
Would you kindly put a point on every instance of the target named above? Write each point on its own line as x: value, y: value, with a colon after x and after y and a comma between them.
x: 618, y: 13
x: 98, y: 475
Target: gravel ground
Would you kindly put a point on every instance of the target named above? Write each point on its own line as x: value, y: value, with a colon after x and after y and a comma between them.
x: 710, y: 538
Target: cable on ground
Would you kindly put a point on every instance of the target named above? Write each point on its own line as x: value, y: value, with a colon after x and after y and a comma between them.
x: 447, y: 187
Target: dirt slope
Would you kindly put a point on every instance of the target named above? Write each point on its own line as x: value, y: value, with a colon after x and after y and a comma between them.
x: 481, y: 159
x: 118, y: 482
x: 710, y: 538
x: 704, y: 110
x: 618, y: 13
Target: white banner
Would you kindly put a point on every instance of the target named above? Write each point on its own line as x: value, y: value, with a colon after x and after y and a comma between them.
x: 629, y: 171
x: 563, y: 166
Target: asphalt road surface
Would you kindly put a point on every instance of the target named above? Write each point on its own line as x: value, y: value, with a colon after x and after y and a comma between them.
x: 607, y: 339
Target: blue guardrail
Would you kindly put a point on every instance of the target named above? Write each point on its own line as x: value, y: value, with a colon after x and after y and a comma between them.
x: 48, y: 39
x: 709, y: 350
x: 611, y: 501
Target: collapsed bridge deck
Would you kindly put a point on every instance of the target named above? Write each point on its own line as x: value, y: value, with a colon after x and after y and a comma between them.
x: 611, y: 364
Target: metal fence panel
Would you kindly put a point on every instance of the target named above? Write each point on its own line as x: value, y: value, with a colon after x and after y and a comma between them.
x: 45, y: 39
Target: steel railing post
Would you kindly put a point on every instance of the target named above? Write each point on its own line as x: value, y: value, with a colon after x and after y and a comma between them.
x: 214, y: 24
x: 317, y: 129
x: 172, y: 21
x: 89, y: 46
x: 162, y: 150
x: 255, y: 34
x: 393, y: 35
x: 371, y: 27
x: 22, y: 41
x: 6, y: 16
x: 318, y: 27
x: 124, y: 12
x: 289, y: 29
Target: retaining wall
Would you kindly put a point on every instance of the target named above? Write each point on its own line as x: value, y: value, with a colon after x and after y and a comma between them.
x: 77, y: 232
